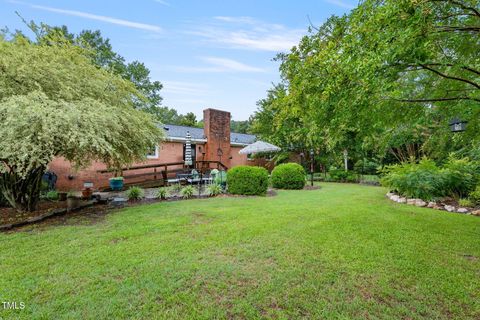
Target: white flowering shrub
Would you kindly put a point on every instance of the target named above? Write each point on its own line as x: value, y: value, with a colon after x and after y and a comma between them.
x: 55, y: 103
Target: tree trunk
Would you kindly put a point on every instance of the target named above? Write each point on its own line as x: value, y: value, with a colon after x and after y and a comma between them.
x: 22, y: 194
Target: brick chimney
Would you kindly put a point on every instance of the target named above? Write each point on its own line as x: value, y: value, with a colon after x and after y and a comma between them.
x: 217, y: 132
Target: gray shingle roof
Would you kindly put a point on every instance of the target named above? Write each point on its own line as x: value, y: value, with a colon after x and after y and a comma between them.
x: 174, y: 131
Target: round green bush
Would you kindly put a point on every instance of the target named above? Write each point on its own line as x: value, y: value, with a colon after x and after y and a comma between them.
x: 288, y: 176
x: 247, y: 180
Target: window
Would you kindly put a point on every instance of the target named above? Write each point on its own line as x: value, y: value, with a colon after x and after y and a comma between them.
x: 153, y: 153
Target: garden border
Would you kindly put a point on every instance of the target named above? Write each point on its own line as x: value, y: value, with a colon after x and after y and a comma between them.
x: 431, y: 204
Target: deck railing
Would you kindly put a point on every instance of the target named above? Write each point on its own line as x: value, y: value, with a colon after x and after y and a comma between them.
x: 160, y: 173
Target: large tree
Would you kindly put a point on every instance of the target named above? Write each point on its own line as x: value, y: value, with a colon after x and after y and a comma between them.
x: 54, y: 102
x: 385, y: 78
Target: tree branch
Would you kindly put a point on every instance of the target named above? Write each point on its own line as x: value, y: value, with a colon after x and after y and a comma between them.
x: 457, y: 28
x: 476, y: 85
x: 437, y: 99
x: 461, y: 5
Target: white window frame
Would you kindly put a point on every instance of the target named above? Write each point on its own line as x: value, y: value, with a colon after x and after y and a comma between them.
x: 155, y: 155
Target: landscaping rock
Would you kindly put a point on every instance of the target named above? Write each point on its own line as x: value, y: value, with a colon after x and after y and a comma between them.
x: 390, y: 194
x: 402, y: 200
x: 438, y: 207
x: 462, y: 210
x: 411, y: 201
x: 476, y: 213
x: 431, y: 204
x: 118, y: 202
x: 395, y: 198
x: 450, y: 208
x: 420, y: 203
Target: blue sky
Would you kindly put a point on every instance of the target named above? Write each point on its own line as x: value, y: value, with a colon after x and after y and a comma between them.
x: 206, y: 53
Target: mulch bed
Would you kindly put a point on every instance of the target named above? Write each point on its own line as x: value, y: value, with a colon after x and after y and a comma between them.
x: 11, y: 218
x: 9, y: 215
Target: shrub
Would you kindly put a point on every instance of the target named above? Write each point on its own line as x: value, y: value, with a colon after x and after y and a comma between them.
x: 366, y: 167
x: 135, y: 193
x: 475, y: 195
x: 426, y: 180
x: 187, y: 192
x: 423, y: 180
x: 52, y: 195
x: 340, y: 175
x: 288, y: 176
x: 214, y: 190
x: 460, y: 176
x: 465, y: 202
x: 176, y: 187
x: 247, y: 180
x: 162, y: 193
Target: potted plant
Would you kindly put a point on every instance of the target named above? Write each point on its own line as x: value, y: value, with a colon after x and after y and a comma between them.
x: 116, y: 183
x: 87, y: 190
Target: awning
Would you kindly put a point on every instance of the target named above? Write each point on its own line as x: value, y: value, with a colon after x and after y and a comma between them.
x: 259, y: 147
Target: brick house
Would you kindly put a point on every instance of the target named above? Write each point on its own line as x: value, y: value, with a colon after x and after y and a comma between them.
x: 214, y: 142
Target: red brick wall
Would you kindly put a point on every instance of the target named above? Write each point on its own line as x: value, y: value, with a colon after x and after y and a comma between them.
x: 168, y: 152
x: 239, y: 159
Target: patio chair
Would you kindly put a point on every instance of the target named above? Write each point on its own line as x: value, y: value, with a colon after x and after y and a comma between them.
x: 195, y: 177
x: 213, y: 175
x: 207, y: 177
x: 221, y: 179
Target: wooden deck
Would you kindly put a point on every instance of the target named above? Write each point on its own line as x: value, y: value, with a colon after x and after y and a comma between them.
x: 154, y: 175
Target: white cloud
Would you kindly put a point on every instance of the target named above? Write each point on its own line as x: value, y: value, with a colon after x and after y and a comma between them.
x: 121, y: 22
x: 217, y: 64
x: 248, y: 33
x: 341, y: 3
x: 231, y: 65
x: 248, y: 20
x: 184, y: 88
x: 165, y: 3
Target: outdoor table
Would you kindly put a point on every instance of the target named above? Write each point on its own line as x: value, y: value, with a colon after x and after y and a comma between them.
x: 184, y: 176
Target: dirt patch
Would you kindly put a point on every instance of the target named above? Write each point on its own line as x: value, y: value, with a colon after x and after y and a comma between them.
x: 311, y: 187
x: 271, y: 193
x: 200, y: 218
x: 469, y: 257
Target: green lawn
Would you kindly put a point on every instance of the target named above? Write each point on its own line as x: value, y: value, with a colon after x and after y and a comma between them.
x: 340, y: 252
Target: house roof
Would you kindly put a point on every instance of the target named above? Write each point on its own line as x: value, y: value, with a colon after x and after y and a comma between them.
x: 175, y: 132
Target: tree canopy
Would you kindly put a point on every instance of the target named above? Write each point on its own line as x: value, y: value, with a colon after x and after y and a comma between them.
x: 385, y: 79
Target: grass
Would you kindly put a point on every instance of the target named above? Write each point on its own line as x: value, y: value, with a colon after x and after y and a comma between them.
x: 343, y: 251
